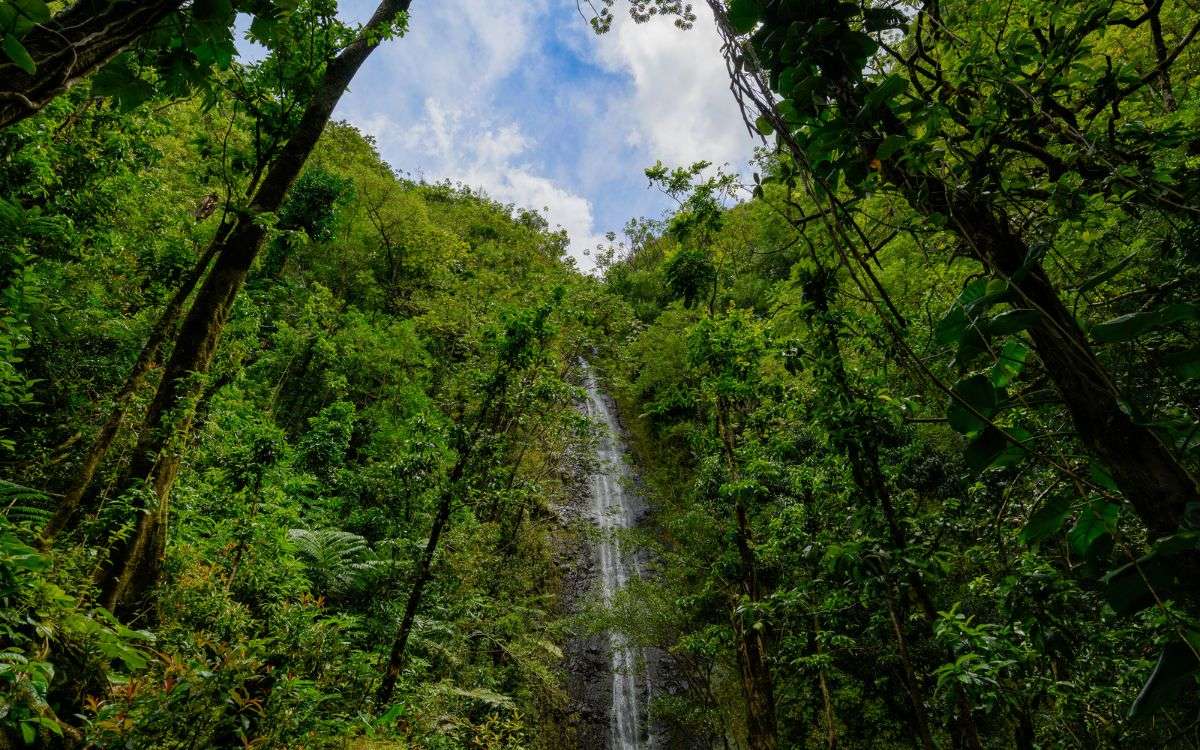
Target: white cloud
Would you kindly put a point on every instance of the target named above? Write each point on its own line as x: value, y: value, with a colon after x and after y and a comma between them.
x: 680, y: 104
x: 522, y: 100
x: 464, y: 147
x: 458, y: 48
x: 566, y: 209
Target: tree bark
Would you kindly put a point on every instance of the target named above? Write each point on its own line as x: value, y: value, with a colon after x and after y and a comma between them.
x: 134, y: 563
x: 101, y: 445
x: 1150, y: 477
x: 831, y: 741
x: 424, y: 572
x: 757, y: 683
x: 72, y: 45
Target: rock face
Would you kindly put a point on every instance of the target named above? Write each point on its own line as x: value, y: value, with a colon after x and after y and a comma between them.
x: 585, y: 658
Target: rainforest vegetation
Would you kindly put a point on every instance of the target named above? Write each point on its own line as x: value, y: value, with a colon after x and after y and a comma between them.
x: 288, y: 439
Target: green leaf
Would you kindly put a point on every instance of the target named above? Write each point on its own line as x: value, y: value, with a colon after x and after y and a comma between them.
x: 390, y: 716
x: 28, y: 733
x: 1105, y: 275
x: 1155, y: 575
x: 1185, y: 364
x: 1101, y: 477
x: 1012, y: 321
x: 1095, y: 521
x: 743, y: 15
x: 18, y: 54
x: 1126, y: 590
x: 120, y: 81
x: 889, y: 88
x: 950, y: 328
x: 1046, y: 520
x: 1131, y: 326
x: 954, y: 323
x: 1176, y: 669
x: 993, y: 450
x: 977, y: 393
x: 49, y: 724
x: 994, y: 291
x: 764, y: 126
x: 879, y: 19
x: 35, y: 10
x: 889, y: 146
x: 1009, y: 363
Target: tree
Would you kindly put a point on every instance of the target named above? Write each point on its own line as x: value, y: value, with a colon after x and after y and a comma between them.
x: 521, y: 347
x: 49, y: 55
x: 134, y: 564
x: 863, y: 113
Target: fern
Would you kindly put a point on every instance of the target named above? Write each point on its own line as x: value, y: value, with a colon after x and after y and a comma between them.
x: 336, y: 562
x: 22, y: 505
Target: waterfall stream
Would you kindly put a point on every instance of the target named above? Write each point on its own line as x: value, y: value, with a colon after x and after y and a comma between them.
x: 614, y: 508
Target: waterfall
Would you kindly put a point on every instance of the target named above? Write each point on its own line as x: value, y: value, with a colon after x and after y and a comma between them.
x: 615, y: 508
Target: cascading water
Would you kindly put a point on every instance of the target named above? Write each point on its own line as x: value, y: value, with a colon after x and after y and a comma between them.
x: 614, y: 509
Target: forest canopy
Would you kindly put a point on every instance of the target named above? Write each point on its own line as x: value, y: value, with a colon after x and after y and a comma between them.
x: 297, y: 450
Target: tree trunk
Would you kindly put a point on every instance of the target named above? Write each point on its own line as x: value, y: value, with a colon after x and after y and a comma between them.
x: 826, y: 698
x: 757, y: 683
x: 1149, y: 476
x: 424, y: 572
x: 72, y: 45
x: 108, y: 431
x: 134, y: 563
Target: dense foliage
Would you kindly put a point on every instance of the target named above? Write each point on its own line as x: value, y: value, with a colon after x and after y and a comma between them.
x: 920, y: 412
x: 288, y: 442
x: 400, y: 349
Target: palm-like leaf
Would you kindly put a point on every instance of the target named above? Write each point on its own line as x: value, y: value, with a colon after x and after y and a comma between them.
x: 337, y: 562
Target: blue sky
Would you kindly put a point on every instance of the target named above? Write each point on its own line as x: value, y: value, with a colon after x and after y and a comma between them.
x: 521, y: 99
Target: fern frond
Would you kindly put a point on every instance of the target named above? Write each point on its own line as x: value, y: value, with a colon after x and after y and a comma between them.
x: 20, y: 504
x: 336, y: 562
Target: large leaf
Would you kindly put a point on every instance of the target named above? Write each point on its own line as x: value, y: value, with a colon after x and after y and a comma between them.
x: 993, y: 450
x: 18, y: 54
x: 1009, y: 363
x: 887, y: 89
x: 879, y: 19
x: 1096, y: 520
x: 1185, y: 364
x: 964, y: 323
x: 1153, y: 576
x: 976, y: 402
x: 1176, y: 669
x: 1106, y: 274
x: 995, y: 291
x: 952, y: 325
x: 1046, y: 520
x: 1131, y: 326
x: 120, y: 81
x: 1012, y: 321
x: 35, y: 10
x: 889, y: 146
